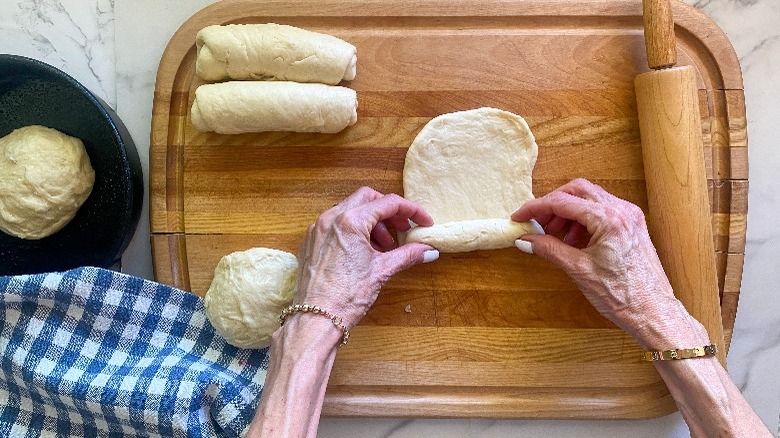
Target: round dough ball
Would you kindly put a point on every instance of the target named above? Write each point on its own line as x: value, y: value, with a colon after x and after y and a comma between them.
x: 249, y: 291
x: 45, y: 176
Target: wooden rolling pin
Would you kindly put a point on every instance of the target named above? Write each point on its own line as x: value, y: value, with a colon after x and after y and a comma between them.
x: 673, y: 152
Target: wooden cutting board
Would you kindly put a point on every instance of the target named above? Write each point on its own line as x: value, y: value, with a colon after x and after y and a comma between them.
x: 489, y: 334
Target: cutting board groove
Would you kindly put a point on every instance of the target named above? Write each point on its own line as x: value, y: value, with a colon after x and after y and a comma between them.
x: 490, y: 334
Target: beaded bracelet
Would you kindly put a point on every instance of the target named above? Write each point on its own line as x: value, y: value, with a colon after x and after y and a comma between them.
x: 305, y: 308
x: 681, y: 353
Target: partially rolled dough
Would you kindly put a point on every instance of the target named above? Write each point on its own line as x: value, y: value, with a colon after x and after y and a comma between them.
x: 45, y: 176
x: 238, y: 107
x: 273, y: 52
x: 470, y: 170
x: 248, y: 293
x: 471, y: 235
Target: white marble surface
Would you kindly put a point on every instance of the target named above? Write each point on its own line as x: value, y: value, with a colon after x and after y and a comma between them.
x: 76, y: 36
x: 113, y: 48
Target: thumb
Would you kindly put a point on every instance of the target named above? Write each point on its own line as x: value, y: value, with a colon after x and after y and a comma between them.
x: 554, y: 250
x: 406, y: 256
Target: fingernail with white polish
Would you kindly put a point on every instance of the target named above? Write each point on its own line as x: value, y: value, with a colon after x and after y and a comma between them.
x: 430, y: 255
x: 525, y: 246
x: 537, y: 229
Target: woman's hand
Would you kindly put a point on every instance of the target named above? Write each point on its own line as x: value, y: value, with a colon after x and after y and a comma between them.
x: 342, y: 266
x: 606, y: 250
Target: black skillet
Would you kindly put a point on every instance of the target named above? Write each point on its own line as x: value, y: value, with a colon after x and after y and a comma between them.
x: 35, y: 93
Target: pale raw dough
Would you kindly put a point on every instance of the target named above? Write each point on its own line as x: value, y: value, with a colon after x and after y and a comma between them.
x: 273, y: 52
x: 471, y: 235
x: 45, y: 176
x: 239, y: 107
x: 471, y: 170
x: 248, y: 293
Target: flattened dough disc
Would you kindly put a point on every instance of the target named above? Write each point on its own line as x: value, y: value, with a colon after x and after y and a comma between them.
x: 470, y: 170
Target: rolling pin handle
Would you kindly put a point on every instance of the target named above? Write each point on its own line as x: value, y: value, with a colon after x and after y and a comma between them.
x: 659, y: 34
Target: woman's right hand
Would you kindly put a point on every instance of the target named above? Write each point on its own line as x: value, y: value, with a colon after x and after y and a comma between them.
x: 348, y: 253
x: 607, y: 251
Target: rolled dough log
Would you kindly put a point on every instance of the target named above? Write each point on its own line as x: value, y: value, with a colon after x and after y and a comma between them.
x: 273, y: 52
x: 248, y: 293
x: 238, y: 107
x: 470, y: 170
x: 471, y: 235
x: 45, y: 176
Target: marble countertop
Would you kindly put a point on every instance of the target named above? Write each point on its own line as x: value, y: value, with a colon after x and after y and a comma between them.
x: 114, y: 47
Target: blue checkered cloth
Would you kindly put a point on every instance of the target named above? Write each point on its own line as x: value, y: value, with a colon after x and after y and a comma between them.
x: 95, y: 353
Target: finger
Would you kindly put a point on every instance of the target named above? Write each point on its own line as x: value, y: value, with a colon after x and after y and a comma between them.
x: 585, y: 189
x: 544, y: 220
x: 556, y: 225
x: 358, y: 197
x: 393, y: 206
x: 555, y: 251
x: 400, y: 223
x: 406, y: 256
x: 575, y: 235
x: 586, y: 212
x: 382, y: 236
x: 581, y: 188
x: 588, y: 190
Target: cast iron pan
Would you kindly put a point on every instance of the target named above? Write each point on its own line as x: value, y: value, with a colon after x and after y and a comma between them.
x: 35, y: 93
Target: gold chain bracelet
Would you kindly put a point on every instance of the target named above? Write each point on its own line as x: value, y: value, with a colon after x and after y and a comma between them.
x: 305, y: 308
x: 681, y: 353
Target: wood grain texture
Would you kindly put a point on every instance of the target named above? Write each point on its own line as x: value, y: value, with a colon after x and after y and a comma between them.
x: 490, y: 334
x: 660, y: 43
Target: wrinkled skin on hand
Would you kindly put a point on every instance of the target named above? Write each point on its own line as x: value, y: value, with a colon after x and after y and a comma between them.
x: 605, y: 249
x: 348, y: 254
